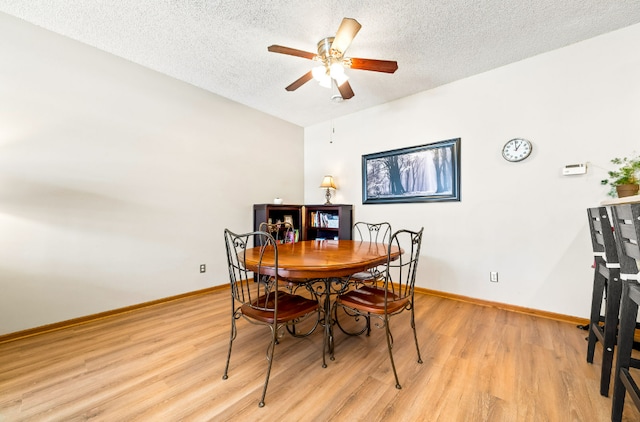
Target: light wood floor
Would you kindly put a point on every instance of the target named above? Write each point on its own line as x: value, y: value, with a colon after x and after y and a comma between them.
x: 165, y: 363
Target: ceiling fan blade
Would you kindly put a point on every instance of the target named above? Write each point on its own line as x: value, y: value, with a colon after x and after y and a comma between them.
x: 346, y: 32
x: 386, y: 66
x: 300, y: 81
x: 345, y: 90
x: 291, y: 51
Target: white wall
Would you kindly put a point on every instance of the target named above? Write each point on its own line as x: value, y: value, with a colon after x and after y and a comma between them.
x: 528, y: 222
x: 116, y: 182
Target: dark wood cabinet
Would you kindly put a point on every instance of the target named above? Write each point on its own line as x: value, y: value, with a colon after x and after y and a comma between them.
x: 327, y: 222
x: 311, y: 221
x: 272, y: 213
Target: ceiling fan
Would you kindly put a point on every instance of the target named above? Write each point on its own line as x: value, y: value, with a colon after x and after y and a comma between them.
x: 332, y: 61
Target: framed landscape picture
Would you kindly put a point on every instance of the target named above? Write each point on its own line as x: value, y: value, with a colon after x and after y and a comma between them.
x: 423, y: 173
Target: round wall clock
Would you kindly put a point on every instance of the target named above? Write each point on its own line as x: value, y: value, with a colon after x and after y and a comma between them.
x: 516, y: 150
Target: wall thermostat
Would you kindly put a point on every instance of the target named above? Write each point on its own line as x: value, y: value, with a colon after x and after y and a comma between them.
x: 571, y: 169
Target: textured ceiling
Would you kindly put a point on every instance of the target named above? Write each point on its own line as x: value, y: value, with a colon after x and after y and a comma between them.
x: 221, y: 46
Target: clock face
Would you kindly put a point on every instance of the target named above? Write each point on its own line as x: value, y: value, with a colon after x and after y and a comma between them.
x: 516, y: 150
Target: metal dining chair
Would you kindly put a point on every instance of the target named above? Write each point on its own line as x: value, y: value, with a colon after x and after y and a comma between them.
x: 394, y: 295
x: 281, y: 232
x: 365, y: 232
x: 370, y: 232
x: 626, y: 223
x: 261, y: 301
x: 607, y: 287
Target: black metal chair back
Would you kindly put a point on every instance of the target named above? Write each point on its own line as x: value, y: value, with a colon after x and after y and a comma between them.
x: 366, y: 232
x: 256, y: 297
x: 395, y: 295
x: 372, y: 232
x: 400, y: 273
x: 245, y: 288
x: 281, y: 232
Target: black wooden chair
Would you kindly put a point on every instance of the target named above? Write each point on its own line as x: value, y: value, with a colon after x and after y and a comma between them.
x: 261, y: 301
x: 607, y: 288
x: 394, y: 295
x: 626, y: 222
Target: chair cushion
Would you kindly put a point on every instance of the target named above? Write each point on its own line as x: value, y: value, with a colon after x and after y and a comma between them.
x: 290, y: 307
x: 371, y: 299
x: 362, y: 276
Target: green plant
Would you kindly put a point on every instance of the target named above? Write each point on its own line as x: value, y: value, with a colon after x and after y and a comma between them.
x: 626, y: 174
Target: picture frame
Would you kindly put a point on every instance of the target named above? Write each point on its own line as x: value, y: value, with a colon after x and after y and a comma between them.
x: 288, y: 219
x: 422, y: 173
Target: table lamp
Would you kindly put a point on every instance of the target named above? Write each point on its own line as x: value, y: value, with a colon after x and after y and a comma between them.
x: 327, y: 182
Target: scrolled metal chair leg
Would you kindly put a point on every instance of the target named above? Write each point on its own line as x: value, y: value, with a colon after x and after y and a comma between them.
x: 270, y: 352
x: 231, y: 338
x: 415, y: 335
x: 389, y: 346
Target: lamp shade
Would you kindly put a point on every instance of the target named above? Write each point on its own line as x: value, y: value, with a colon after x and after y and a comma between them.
x: 327, y: 182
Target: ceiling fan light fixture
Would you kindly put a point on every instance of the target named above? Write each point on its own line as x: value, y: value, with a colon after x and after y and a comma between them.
x: 331, y: 61
x: 319, y: 73
x: 325, y: 82
x: 336, y: 69
x: 340, y: 79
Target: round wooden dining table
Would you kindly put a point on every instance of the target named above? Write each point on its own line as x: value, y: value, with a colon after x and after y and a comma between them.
x: 320, y: 258
x: 328, y: 262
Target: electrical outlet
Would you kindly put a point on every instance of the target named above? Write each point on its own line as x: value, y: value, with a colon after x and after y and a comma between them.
x: 493, y: 276
x: 203, y: 268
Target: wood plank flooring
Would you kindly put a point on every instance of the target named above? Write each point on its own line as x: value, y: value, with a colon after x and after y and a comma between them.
x: 165, y: 363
